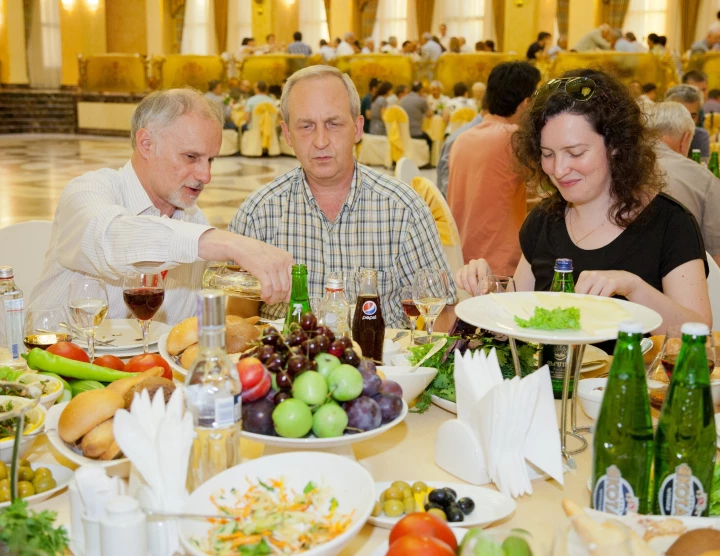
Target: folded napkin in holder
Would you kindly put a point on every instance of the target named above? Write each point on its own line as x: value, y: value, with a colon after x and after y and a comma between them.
x: 505, y: 432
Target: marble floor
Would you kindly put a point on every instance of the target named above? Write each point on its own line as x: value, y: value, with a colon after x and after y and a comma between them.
x: 34, y: 169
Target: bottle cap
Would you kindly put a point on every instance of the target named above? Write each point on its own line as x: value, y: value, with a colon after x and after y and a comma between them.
x: 696, y: 150
x: 211, y: 309
x: 122, y: 505
x: 334, y: 284
x: 563, y: 265
x: 6, y: 272
x: 630, y: 327
x: 695, y: 329
x: 300, y: 269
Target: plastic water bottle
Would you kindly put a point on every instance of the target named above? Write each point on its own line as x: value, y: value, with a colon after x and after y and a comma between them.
x: 213, y: 392
x: 12, y: 312
x: 333, y: 310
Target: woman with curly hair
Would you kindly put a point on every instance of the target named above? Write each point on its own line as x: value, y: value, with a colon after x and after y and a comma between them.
x: 584, y: 142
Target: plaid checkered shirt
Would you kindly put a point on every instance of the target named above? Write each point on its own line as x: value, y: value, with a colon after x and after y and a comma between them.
x: 383, y: 225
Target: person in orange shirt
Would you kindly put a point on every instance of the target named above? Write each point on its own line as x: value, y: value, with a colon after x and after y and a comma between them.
x: 485, y: 194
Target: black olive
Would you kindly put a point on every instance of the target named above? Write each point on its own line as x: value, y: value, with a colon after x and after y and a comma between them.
x: 439, y: 496
x: 466, y: 505
x: 454, y: 514
x: 453, y: 494
x: 431, y: 505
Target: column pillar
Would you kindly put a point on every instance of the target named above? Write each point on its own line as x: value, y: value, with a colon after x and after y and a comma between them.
x: 342, y: 17
x: 13, y: 54
x: 521, y: 25
x: 581, y: 20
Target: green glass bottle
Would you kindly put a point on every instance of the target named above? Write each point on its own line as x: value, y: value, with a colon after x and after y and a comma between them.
x: 685, y: 448
x: 554, y: 356
x: 695, y: 155
x: 299, y: 297
x: 714, y: 164
x: 623, y: 441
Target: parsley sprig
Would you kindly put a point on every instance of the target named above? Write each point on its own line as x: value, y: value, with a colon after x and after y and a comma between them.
x: 26, y: 532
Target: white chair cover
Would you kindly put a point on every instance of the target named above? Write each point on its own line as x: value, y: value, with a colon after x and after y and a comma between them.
x: 262, y: 125
x: 406, y: 170
x: 374, y: 150
x: 230, y: 142
x: 24, y: 249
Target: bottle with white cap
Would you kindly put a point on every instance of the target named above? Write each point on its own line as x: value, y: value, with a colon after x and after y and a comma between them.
x: 213, y: 393
x: 123, y: 529
x: 623, y: 441
x: 685, y: 448
x: 333, y: 310
x: 11, y: 313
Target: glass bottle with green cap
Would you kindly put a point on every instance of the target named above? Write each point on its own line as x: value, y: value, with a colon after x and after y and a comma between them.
x: 714, y: 164
x: 623, y: 440
x: 299, y: 297
x: 554, y: 356
x: 685, y: 440
x: 695, y: 155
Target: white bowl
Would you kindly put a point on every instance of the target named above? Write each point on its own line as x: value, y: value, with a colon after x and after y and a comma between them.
x: 62, y: 475
x: 590, y: 398
x: 55, y: 386
x: 35, y: 420
x: 413, y: 383
x: 715, y: 390
x: 352, y: 486
x: 114, y: 468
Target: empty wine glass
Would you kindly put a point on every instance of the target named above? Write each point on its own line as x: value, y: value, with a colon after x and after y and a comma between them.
x: 88, y: 302
x: 410, y: 310
x: 144, y: 293
x: 431, y: 289
x: 495, y: 284
x: 45, y: 326
x: 351, y: 282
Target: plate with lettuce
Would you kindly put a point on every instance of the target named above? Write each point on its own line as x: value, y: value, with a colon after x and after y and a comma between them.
x: 549, y: 317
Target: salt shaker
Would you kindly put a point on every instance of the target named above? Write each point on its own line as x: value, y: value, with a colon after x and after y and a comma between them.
x: 76, y: 523
x: 123, y: 529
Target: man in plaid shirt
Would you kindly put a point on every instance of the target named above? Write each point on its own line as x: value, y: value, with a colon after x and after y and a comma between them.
x: 333, y: 214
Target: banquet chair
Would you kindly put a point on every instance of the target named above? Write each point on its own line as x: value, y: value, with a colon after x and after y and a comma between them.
x: 262, y: 133
x: 713, y: 281
x: 374, y: 150
x: 406, y: 170
x: 230, y: 142
x: 459, y: 118
x: 435, y: 128
x: 284, y: 147
x: 401, y: 144
x: 445, y: 222
x: 24, y: 247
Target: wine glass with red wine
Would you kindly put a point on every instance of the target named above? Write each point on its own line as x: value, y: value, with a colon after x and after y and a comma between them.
x: 410, y: 309
x: 144, y: 293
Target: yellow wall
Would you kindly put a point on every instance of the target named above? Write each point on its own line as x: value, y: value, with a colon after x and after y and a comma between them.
x: 126, y: 28
x: 13, y: 56
x: 286, y: 20
x: 581, y: 20
x: 521, y: 24
x: 341, y: 17
x: 262, y: 20
x: 82, y: 30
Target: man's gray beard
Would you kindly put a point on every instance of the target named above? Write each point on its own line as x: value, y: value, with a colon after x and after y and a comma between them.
x: 176, y: 200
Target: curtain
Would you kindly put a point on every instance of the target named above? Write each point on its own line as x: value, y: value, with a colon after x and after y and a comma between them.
x: 688, y: 23
x: 368, y: 13
x: 44, y: 48
x: 313, y: 22
x: 239, y: 23
x: 613, y: 13
x: 199, y: 28
x: 707, y: 13
x: 563, y: 12
x: 464, y: 18
x: 390, y: 20
x: 498, y: 7
x: 221, y: 17
x: 424, y: 15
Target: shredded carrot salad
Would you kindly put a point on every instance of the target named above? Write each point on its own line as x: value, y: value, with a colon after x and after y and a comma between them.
x: 271, y: 518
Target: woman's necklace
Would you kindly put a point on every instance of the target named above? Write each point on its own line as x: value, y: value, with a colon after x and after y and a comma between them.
x: 577, y: 241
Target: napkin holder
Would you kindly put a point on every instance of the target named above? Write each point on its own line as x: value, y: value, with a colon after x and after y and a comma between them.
x: 458, y: 451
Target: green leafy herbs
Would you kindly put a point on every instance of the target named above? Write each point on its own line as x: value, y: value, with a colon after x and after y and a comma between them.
x: 257, y: 549
x: 715, y: 491
x: 26, y: 532
x: 309, y: 487
x: 552, y: 319
x: 10, y: 375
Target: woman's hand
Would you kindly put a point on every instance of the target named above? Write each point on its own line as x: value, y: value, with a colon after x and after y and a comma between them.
x: 606, y: 283
x: 468, y: 277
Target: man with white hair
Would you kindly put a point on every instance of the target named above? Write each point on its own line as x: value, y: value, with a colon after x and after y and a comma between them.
x: 710, y: 42
x: 430, y: 50
x: 143, y: 215
x: 331, y: 213
x: 436, y: 100
x: 601, y: 38
x: 391, y: 47
x: 369, y: 47
x: 345, y: 47
x: 478, y: 92
x: 691, y: 97
x: 687, y: 181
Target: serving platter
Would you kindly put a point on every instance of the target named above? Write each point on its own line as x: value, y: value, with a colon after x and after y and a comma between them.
x: 60, y: 473
x: 127, y: 334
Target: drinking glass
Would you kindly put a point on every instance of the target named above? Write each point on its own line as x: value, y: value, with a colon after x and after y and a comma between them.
x: 351, y: 281
x: 88, y: 302
x: 495, y: 284
x: 410, y: 310
x: 431, y: 289
x: 45, y: 326
x: 144, y: 293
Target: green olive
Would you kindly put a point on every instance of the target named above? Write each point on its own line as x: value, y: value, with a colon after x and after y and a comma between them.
x: 4, y: 495
x: 23, y: 463
x: 26, y: 474
x: 3, y: 470
x: 438, y: 513
x: 409, y: 505
x: 43, y: 472
x: 377, y: 509
x: 5, y: 483
x: 402, y: 485
x: 407, y: 493
x: 393, y: 508
x: 419, y: 486
x: 25, y: 489
x: 393, y: 493
x: 43, y: 484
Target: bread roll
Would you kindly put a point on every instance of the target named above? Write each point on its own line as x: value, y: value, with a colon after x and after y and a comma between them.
x: 98, y: 440
x: 152, y: 385
x: 695, y: 543
x: 182, y: 335
x: 124, y: 384
x: 657, y: 341
x: 239, y: 335
x: 85, y: 411
x: 188, y: 356
x: 112, y: 452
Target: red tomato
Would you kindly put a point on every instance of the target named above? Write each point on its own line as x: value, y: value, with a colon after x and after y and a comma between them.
x: 251, y: 372
x: 110, y: 362
x: 69, y: 351
x: 423, y: 525
x: 146, y: 361
x: 411, y: 545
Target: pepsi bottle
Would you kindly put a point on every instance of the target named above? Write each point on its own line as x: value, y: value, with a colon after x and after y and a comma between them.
x: 368, y: 323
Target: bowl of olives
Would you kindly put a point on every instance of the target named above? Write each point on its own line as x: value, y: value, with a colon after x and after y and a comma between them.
x: 34, y: 425
x: 36, y: 481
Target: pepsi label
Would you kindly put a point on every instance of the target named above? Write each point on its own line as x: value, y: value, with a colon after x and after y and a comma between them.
x: 682, y: 493
x: 369, y: 309
x: 613, y: 494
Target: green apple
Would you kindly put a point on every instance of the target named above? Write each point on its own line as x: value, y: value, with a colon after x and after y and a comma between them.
x: 310, y: 387
x: 292, y: 418
x: 345, y: 383
x: 329, y: 420
x: 326, y: 363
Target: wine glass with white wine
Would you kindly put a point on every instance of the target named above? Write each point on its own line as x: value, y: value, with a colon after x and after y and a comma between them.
x: 431, y: 289
x: 88, y: 302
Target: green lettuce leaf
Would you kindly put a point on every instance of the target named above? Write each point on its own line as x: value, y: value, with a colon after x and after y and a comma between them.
x: 552, y: 319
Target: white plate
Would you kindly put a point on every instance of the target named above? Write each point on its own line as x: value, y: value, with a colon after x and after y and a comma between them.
x: 484, y: 312
x: 384, y: 547
x: 116, y: 467
x: 60, y: 473
x: 490, y: 505
x: 320, y: 443
x: 127, y: 334
x: 444, y: 404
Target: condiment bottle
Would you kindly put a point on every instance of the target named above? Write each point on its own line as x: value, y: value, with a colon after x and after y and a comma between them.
x: 11, y: 312
x: 333, y: 310
x: 123, y: 529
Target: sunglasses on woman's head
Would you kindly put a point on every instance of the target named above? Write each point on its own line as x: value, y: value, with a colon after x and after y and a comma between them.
x: 577, y: 88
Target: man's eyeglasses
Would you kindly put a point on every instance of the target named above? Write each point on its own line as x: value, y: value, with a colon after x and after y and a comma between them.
x: 577, y: 88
